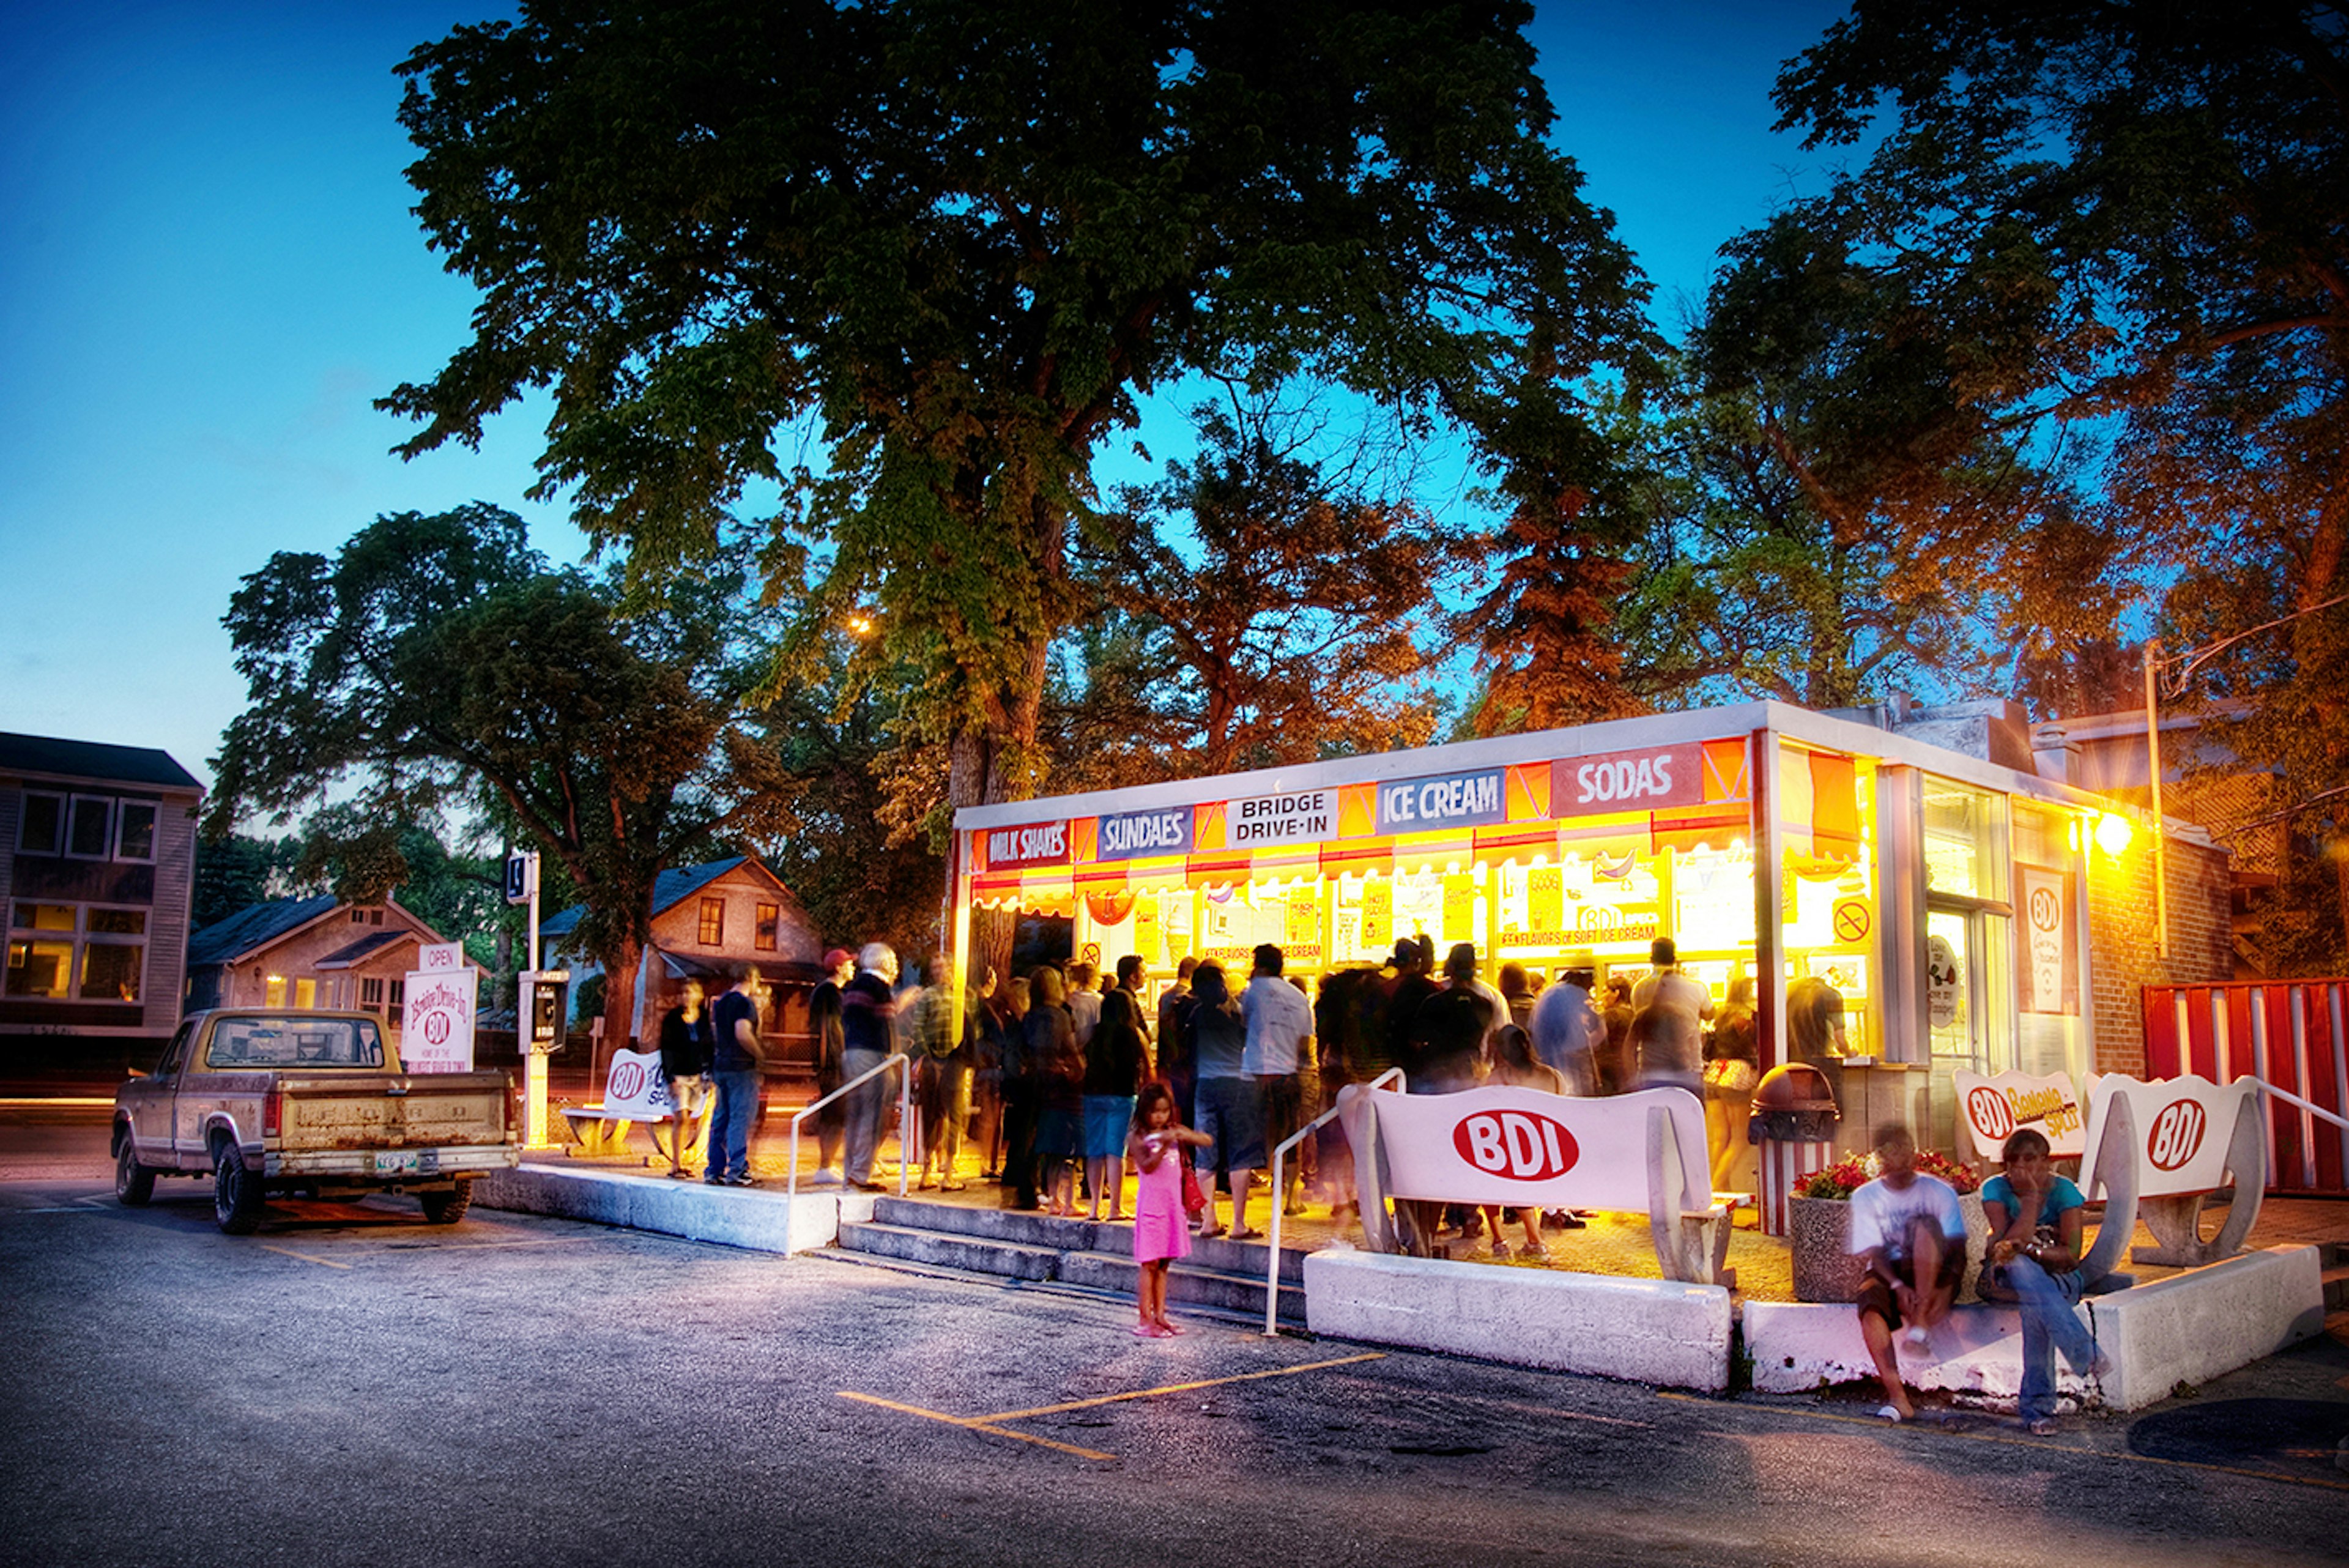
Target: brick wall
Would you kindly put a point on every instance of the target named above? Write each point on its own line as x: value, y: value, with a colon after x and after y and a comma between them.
x: 2121, y: 946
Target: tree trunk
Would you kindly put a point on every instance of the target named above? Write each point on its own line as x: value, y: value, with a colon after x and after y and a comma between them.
x: 619, y: 1011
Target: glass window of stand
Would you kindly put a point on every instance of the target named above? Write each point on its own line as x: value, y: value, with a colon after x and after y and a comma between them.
x: 1828, y: 888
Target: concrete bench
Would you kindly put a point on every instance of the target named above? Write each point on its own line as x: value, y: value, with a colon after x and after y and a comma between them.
x: 633, y: 1092
x: 1638, y: 1153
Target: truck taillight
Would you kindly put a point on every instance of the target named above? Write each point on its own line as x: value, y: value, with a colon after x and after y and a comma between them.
x: 273, y: 1112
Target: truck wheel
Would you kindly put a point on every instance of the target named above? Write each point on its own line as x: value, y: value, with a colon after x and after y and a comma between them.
x: 134, y: 1184
x: 236, y: 1192
x: 447, y: 1208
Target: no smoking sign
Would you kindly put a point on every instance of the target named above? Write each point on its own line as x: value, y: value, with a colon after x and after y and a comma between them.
x: 1852, y: 920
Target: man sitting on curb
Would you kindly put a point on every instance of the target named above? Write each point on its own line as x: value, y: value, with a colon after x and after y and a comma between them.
x: 1913, y: 1234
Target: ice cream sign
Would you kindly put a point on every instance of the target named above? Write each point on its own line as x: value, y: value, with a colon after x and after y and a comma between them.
x: 1445, y: 800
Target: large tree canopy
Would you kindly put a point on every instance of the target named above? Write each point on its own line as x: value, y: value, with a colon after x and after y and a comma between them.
x: 436, y: 665
x: 2088, y: 218
x: 911, y: 262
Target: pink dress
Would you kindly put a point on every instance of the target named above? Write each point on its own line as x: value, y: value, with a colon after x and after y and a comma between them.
x: 1161, y: 1228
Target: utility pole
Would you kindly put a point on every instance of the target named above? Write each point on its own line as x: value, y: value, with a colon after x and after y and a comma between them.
x: 2153, y: 767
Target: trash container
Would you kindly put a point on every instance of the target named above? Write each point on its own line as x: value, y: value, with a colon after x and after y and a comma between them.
x: 1794, y: 1124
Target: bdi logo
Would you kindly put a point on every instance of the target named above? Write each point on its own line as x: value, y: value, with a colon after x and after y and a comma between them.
x: 2176, y: 1135
x: 1992, y: 1117
x: 1516, y: 1143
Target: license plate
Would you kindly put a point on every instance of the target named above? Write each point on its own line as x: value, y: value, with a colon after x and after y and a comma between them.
x: 398, y: 1160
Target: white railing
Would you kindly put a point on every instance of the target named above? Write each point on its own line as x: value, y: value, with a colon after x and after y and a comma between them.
x: 905, y: 1114
x: 1280, y: 1201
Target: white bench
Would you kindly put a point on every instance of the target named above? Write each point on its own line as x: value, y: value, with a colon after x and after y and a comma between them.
x: 1635, y: 1153
x: 634, y: 1091
x: 2182, y: 1139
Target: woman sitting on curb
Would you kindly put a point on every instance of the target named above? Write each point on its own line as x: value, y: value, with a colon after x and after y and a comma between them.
x: 2034, y: 1263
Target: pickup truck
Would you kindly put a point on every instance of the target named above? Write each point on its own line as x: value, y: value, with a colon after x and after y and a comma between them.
x: 267, y: 1101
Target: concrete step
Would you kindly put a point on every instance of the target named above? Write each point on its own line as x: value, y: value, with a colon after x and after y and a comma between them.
x: 1187, y: 1283
x: 974, y: 1254
x: 1029, y: 1228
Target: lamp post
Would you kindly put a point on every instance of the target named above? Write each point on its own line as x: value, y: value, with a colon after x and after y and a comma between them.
x: 2160, y: 838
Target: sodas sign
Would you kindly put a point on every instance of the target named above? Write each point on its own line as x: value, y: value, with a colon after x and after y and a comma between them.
x: 2176, y: 1136
x: 1521, y: 1145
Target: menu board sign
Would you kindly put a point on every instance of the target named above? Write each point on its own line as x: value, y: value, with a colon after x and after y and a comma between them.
x: 1444, y: 800
x: 1628, y: 781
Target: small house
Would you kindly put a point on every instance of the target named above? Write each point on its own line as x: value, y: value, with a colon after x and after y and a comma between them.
x: 307, y: 953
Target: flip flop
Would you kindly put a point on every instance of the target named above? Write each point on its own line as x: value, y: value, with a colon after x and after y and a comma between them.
x: 1147, y: 1331
x: 1250, y: 1234
x: 1889, y: 1413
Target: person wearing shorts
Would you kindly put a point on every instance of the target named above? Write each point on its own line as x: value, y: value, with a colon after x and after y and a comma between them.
x: 1910, y: 1227
x: 1229, y: 1111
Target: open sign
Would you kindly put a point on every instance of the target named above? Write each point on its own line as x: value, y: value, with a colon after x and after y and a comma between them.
x: 1519, y: 1143
x: 2176, y: 1136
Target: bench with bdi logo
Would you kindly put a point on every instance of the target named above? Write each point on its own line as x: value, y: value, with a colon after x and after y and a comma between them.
x: 1638, y: 1153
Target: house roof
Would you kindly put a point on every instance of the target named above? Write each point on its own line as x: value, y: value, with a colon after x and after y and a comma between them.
x: 93, y: 760
x: 670, y: 888
x: 256, y: 926
x: 351, y: 953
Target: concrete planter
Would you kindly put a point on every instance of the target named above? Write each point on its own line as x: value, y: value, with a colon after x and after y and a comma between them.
x: 1819, y: 1231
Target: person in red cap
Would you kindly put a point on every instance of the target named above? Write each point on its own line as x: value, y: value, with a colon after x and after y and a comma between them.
x: 831, y: 1042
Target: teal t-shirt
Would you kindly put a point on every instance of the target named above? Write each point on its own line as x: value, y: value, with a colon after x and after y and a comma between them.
x: 2062, y: 1195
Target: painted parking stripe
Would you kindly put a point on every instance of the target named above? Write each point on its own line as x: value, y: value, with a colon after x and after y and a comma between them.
x: 306, y: 1257
x: 976, y: 1424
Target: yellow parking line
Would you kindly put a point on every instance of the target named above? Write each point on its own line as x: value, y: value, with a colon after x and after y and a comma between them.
x: 1181, y: 1387
x: 1944, y: 1432
x: 290, y: 1252
x: 976, y: 1424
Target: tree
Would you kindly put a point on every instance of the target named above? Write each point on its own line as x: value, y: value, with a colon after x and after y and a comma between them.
x: 235, y: 871
x: 436, y: 664
x: 951, y: 243
x: 1254, y: 616
x: 2132, y: 214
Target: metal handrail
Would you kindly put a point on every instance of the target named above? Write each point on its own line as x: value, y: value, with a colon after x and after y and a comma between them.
x: 904, y: 1109
x: 1272, y: 1268
x: 2341, y: 1122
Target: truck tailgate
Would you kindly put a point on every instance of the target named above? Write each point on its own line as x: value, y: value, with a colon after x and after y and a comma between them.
x: 390, y: 1110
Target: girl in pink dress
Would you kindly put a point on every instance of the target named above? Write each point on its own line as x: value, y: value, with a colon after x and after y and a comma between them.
x: 1161, y: 1231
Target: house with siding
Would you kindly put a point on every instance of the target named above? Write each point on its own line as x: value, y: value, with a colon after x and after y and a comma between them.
x: 97, y: 857
x: 710, y: 922
x: 308, y: 953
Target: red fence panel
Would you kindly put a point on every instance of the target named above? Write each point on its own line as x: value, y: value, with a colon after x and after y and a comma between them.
x: 2292, y: 1033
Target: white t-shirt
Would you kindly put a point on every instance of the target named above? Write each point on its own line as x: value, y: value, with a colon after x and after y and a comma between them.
x: 1880, y: 1217
x: 1279, y: 1017
x: 1084, y: 1011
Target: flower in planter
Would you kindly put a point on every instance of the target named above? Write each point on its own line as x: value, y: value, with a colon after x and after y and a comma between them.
x: 1843, y: 1178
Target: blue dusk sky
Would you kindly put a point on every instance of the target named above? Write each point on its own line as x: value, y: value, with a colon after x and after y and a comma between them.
x: 209, y: 270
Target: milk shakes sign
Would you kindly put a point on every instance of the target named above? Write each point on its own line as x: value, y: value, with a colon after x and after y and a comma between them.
x: 436, y: 1032
x: 1039, y: 843
x: 1628, y: 781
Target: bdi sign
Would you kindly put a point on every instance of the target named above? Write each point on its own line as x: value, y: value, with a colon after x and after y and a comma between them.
x: 1524, y: 1148
x: 1994, y: 1107
x: 2184, y: 1126
x: 435, y: 1033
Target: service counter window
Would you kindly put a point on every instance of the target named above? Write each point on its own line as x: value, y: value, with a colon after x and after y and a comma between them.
x: 1832, y: 921
x: 1965, y: 841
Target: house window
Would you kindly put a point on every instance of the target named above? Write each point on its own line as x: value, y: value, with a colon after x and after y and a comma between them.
x: 134, y: 830
x: 87, y: 826
x: 374, y: 917
x: 359, y: 917
x: 767, y: 914
x: 76, y: 951
x: 399, y: 990
x: 713, y: 922
x: 306, y: 993
x: 41, y: 828
x: 371, y: 995
x: 90, y: 831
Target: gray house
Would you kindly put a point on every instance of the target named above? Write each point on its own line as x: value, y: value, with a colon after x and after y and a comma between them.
x: 99, y: 860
